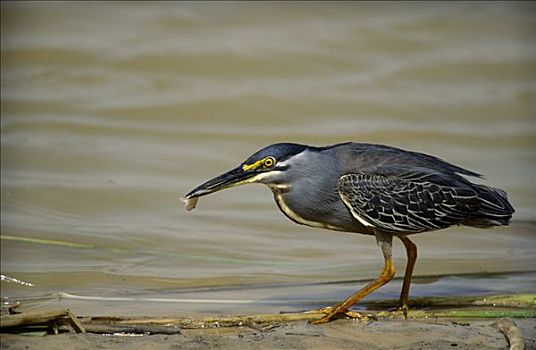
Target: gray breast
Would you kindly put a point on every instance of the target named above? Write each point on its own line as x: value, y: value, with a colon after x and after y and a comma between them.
x: 313, y: 199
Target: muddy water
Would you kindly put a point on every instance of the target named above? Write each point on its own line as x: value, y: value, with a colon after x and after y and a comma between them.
x: 111, y: 111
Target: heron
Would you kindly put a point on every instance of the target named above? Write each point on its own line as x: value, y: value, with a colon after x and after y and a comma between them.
x: 370, y: 189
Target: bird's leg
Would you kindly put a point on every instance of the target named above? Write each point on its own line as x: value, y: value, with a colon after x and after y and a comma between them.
x: 385, y: 241
x: 411, y: 251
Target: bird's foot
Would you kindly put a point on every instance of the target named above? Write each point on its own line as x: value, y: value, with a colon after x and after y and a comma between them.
x: 333, y: 312
x: 400, y: 309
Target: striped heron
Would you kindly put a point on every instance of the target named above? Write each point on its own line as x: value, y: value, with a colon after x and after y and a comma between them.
x: 370, y: 189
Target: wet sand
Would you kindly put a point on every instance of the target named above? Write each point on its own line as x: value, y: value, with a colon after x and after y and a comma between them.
x: 340, y: 334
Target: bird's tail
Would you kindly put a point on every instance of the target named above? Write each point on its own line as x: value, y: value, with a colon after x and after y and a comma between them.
x: 494, y: 209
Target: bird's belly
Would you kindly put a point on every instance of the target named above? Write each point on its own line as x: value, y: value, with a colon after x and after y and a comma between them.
x: 301, y: 219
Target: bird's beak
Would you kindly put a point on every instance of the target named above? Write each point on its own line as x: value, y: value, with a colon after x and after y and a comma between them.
x: 234, y: 177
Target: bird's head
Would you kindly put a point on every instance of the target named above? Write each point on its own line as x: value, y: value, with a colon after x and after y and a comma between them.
x: 269, y: 166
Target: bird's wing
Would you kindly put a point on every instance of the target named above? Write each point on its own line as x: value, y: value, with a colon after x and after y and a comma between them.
x: 411, y: 201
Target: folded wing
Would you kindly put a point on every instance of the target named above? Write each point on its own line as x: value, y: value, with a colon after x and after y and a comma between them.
x: 410, y: 201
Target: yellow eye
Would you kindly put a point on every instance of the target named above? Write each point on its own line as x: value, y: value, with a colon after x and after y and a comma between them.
x: 269, y: 162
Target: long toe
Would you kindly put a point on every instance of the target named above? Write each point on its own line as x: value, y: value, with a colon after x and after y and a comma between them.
x: 331, y: 313
x: 401, y: 310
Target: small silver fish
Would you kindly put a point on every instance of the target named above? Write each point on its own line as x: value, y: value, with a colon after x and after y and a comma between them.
x: 189, y: 203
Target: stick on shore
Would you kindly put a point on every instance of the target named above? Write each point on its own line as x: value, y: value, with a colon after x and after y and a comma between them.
x: 510, y: 306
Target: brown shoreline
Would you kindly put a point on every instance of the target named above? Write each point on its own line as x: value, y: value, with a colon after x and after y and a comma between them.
x: 435, y: 323
x: 339, y: 334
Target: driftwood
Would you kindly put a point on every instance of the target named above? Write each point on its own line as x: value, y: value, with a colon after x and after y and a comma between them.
x: 511, y: 306
x: 48, y: 317
x: 223, y: 321
x: 130, y: 329
x: 245, y: 320
x: 511, y: 332
x: 520, y: 301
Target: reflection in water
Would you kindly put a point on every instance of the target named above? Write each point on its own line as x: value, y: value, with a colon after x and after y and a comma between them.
x: 111, y: 112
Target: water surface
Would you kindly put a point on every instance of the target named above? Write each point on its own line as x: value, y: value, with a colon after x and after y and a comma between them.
x: 111, y: 111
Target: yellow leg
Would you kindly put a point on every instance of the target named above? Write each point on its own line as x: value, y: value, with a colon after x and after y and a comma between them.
x: 411, y: 250
x: 387, y: 274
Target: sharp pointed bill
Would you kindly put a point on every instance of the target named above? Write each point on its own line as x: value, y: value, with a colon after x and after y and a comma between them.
x: 226, y: 180
x: 231, y: 178
x: 262, y: 167
x: 235, y: 177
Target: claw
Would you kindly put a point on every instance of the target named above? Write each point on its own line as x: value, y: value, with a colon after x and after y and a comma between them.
x: 331, y: 313
x: 392, y: 313
x: 401, y: 308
